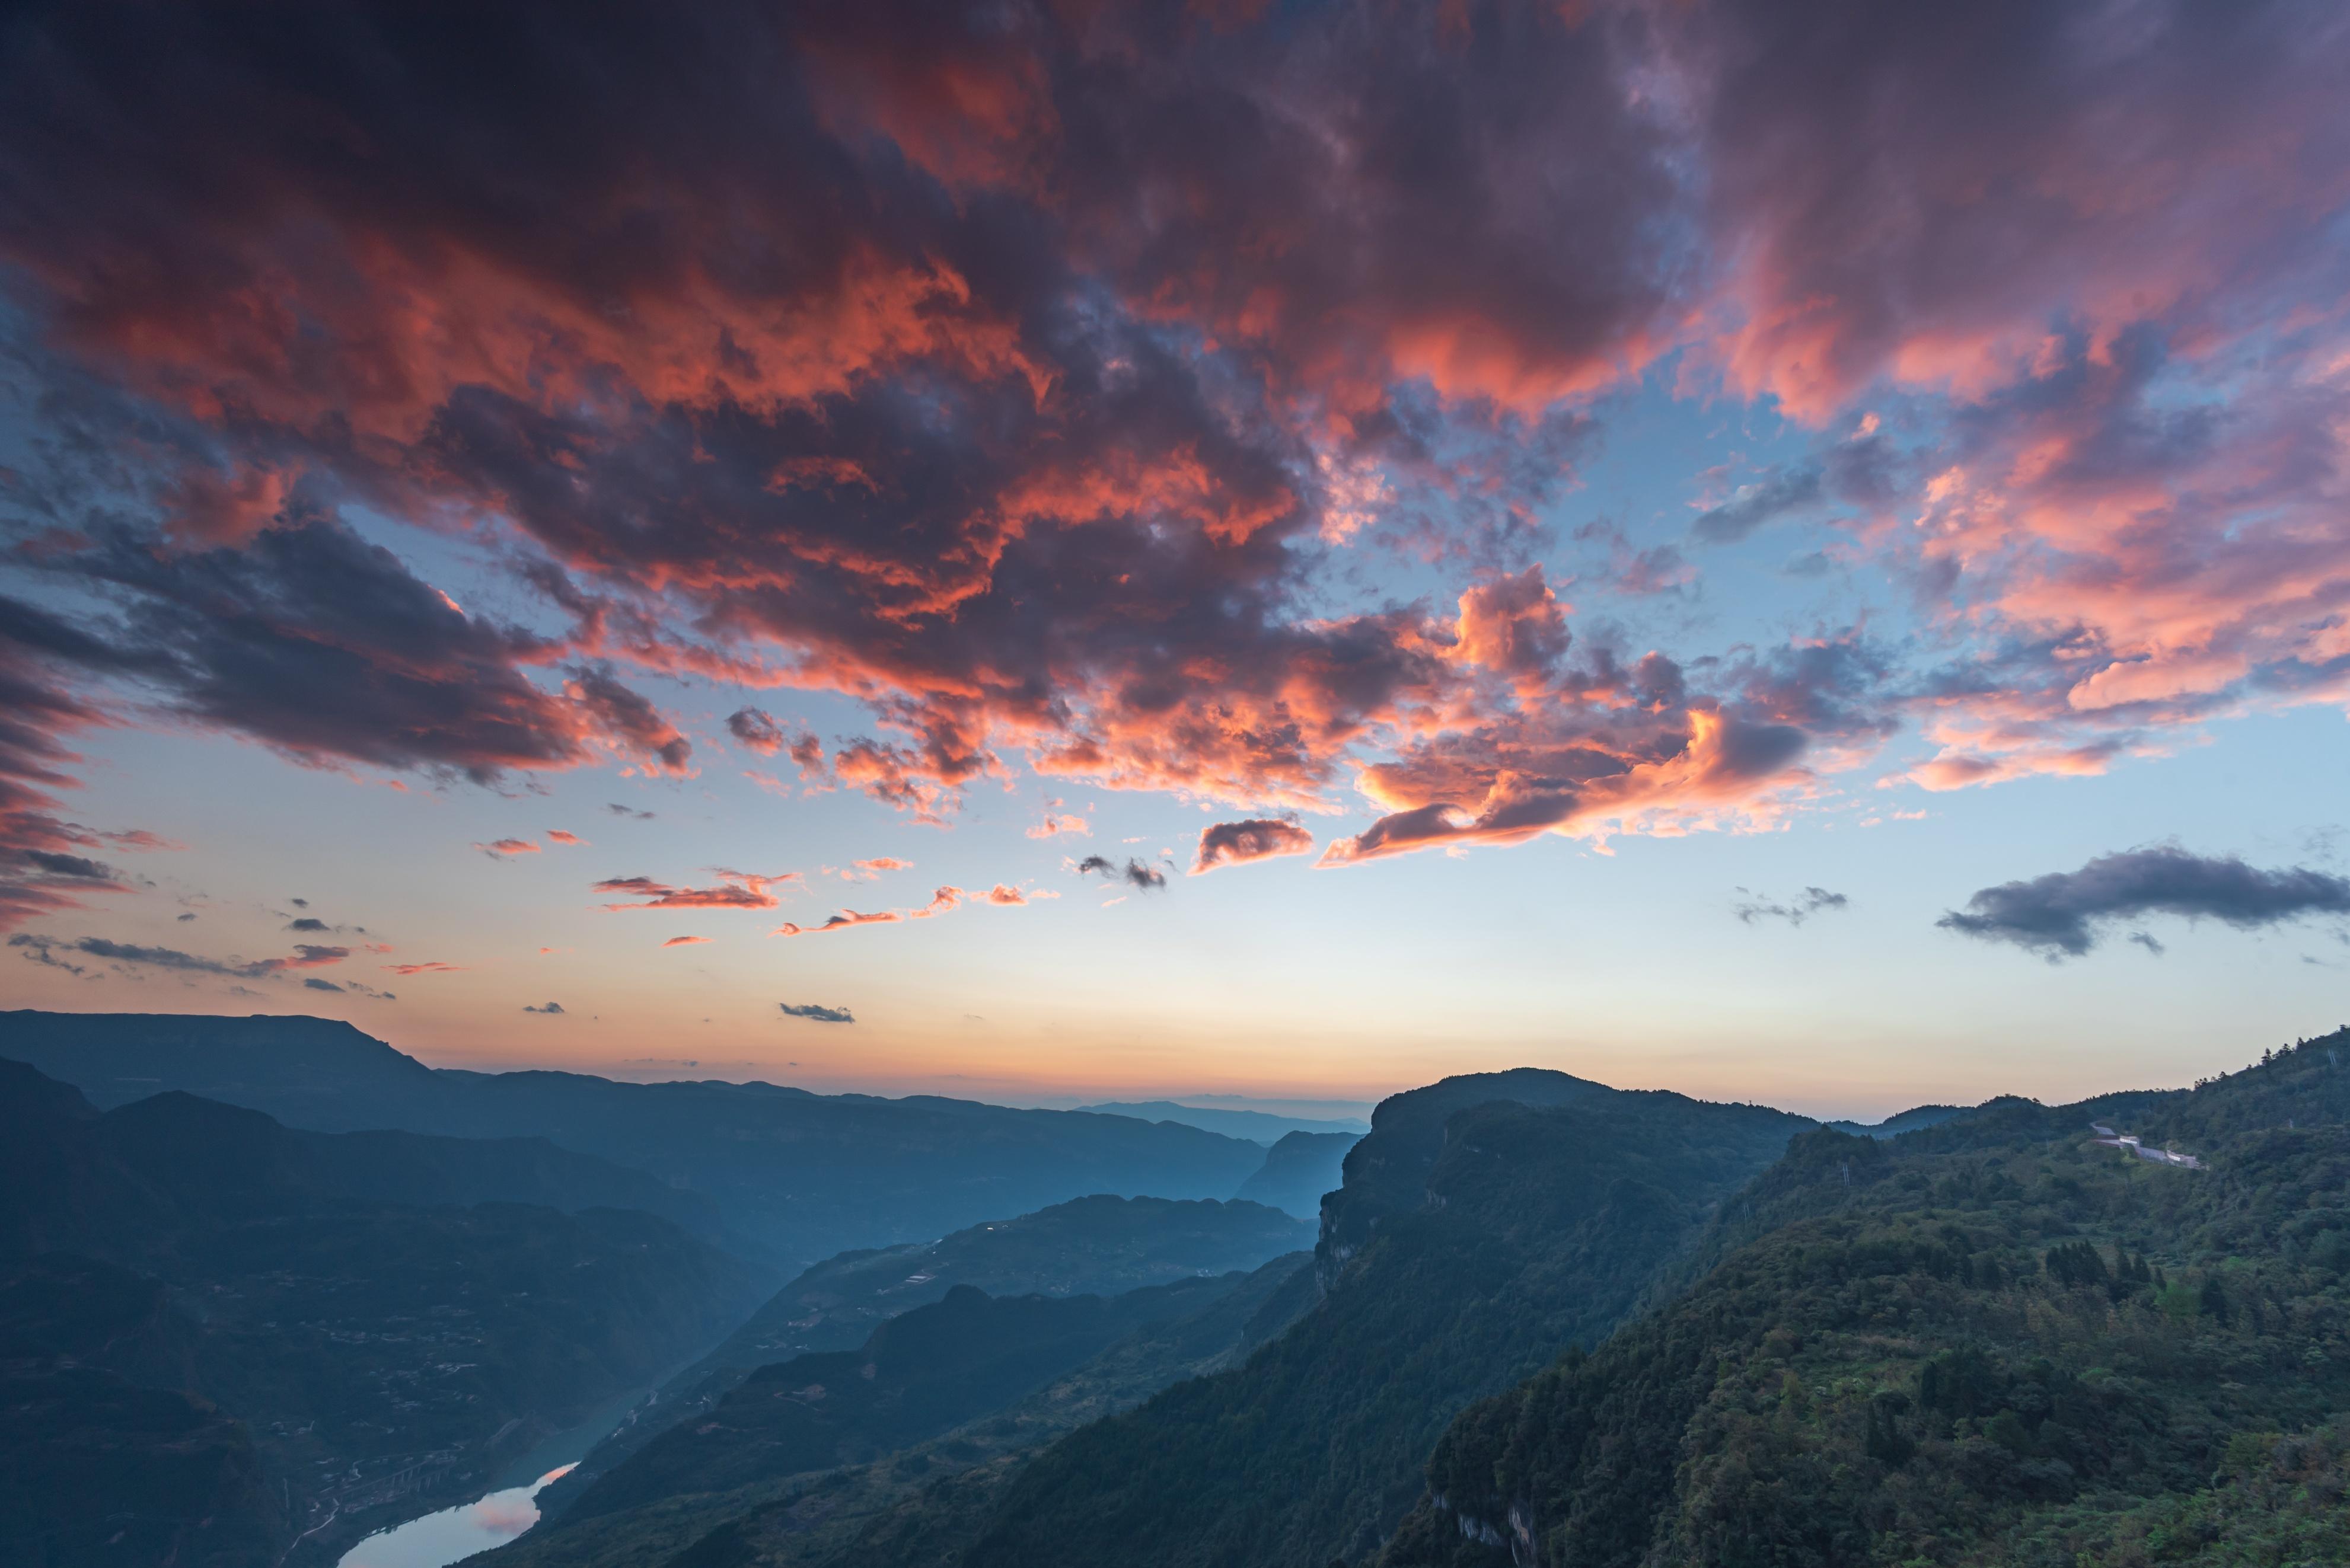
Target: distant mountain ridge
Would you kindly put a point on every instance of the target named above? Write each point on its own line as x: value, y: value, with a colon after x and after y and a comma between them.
x: 798, y: 1177
x: 1299, y: 1170
x: 1258, y: 1127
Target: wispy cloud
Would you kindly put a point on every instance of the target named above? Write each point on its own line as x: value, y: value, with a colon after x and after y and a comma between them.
x: 1794, y: 912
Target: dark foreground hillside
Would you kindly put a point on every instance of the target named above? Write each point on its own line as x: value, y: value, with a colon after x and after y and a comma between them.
x: 1476, y: 1232
x: 1995, y: 1342
x: 874, y: 1470
x: 1088, y: 1246
x: 216, y: 1342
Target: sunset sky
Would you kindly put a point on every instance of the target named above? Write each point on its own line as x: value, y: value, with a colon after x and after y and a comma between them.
x: 1043, y: 551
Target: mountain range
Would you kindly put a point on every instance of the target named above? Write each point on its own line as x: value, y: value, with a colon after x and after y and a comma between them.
x: 1544, y: 1322
x: 795, y: 1177
x: 223, y: 1341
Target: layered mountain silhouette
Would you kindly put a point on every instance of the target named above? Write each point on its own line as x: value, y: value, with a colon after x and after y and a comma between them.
x: 795, y: 1177
x: 1544, y: 1322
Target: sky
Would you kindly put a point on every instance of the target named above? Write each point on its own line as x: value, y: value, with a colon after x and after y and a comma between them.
x: 1054, y: 551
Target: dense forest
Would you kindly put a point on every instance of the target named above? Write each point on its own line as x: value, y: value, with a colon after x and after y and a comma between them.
x: 1994, y: 1343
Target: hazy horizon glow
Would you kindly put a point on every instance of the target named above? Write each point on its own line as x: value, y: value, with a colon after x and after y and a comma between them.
x: 1789, y: 552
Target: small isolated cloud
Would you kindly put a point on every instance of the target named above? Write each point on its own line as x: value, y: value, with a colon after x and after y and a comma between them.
x: 307, y: 923
x: 757, y: 728
x: 1794, y: 912
x: 839, y: 922
x: 616, y: 809
x: 885, y: 863
x: 550, y: 1008
x: 556, y: 836
x: 1775, y: 494
x: 1057, y: 822
x: 186, y: 917
x: 684, y: 942
x: 435, y: 968
x: 815, y: 1013
x: 736, y: 890
x: 314, y: 983
x: 503, y: 849
x: 2147, y: 941
x: 1001, y: 894
x: 1256, y: 838
x: 2063, y: 914
x: 1134, y: 873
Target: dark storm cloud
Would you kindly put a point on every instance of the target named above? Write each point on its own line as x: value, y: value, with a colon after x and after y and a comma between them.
x: 2063, y: 914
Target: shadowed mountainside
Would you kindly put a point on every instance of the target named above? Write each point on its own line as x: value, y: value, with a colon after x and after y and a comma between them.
x: 193, y: 1297
x: 1099, y: 1245
x: 1298, y: 1170
x: 921, y: 1503
x: 1484, y: 1221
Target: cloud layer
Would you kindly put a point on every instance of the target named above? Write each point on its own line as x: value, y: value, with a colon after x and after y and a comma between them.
x: 1039, y: 383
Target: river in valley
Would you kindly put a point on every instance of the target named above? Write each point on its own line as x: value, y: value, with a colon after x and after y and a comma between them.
x: 452, y: 1534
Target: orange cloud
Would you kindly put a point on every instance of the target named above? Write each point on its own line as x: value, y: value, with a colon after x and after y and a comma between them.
x: 684, y: 942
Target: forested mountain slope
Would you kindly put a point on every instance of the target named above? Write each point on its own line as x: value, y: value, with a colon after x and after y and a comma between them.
x: 1992, y: 1343
x: 1100, y: 1246
x: 757, y: 1505
x: 800, y: 1176
x: 1484, y: 1221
